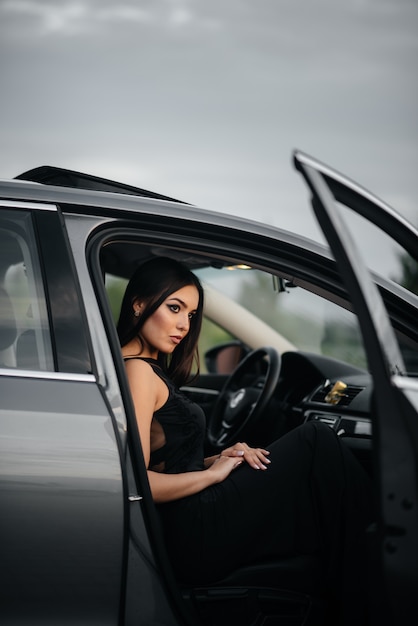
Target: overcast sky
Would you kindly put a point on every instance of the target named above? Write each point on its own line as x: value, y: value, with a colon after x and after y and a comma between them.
x: 204, y: 100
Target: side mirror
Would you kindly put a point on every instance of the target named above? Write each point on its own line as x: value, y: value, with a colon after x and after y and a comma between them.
x: 224, y: 358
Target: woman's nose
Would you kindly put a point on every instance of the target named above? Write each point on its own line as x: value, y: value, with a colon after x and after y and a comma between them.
x: 183, y: 322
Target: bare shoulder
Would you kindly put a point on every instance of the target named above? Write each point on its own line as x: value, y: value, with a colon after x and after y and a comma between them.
x: 144, y: 381
x: 139, y: 366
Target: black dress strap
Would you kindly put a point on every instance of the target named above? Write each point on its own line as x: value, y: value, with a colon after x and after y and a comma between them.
x: 142, y: 358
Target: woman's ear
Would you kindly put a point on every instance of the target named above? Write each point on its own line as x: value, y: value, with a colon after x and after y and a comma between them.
x: 137, y: 307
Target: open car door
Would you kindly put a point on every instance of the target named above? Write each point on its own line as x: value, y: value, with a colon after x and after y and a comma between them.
x: 394, y: 539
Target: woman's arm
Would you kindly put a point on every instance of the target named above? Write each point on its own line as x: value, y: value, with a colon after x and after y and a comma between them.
x: 147, y: 396
x: 168, y: 487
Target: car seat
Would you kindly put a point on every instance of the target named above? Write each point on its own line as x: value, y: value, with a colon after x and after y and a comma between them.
x: 8, y: 330
x: 289, y: 591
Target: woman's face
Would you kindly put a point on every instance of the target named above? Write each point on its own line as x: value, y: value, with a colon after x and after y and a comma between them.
x: 170, y: 323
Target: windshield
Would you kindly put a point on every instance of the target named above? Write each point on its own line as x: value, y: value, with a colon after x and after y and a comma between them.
x: 308, y: 321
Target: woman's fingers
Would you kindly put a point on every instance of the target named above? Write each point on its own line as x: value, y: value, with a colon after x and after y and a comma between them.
x: 257, y: 458
x: 224, y: 465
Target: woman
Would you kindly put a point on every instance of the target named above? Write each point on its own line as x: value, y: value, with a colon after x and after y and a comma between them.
x: 305, y: 494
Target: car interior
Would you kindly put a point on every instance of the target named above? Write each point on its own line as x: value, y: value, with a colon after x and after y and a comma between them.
x: 289, y: 355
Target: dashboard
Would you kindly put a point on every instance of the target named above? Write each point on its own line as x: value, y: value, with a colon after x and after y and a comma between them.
x: 320, y: 388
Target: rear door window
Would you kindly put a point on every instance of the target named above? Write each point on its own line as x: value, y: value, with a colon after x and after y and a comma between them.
x: 25, y: 339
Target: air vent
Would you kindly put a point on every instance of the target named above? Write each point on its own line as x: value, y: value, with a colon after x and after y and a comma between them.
x: 347, y: 396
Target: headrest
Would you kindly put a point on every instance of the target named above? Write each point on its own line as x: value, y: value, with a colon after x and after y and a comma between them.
x: 8, y: 331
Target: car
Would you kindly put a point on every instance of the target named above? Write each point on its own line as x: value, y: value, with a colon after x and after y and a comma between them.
x: 294, y: 331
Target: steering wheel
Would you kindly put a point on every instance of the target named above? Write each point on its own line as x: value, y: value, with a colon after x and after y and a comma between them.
x: 237, y: 405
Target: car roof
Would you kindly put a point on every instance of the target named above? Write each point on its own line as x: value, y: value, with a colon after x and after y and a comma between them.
x: 60, y: 177
x: 88, y: 196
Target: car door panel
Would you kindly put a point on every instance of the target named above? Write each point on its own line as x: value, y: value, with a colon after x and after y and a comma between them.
x: 61, y: 480
x: 394, y: 412
x: 61, y: 490
x: 148, y: 597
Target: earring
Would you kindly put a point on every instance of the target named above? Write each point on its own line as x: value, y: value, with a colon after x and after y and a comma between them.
x: 136, y: 313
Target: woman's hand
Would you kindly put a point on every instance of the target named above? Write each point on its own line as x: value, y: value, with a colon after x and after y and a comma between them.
x: 223, y: 466
x: 257, y: 458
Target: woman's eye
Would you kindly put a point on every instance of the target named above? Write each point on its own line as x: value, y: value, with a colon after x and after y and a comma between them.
x: 174, y: 307
x: 191, y: 316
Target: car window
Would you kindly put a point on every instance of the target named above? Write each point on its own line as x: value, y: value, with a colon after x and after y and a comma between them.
x: 307, y: 321
x: 25, y: 341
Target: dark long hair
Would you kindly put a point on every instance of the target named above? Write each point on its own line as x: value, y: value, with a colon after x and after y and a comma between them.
x: 153, y: 282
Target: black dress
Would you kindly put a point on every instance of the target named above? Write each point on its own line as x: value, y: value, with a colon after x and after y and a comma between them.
x: 314, y: 498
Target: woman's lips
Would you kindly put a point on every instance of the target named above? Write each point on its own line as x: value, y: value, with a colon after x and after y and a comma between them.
x: 175, y: 339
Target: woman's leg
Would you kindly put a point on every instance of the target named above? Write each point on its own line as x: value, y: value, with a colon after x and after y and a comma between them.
x: 314, y: 498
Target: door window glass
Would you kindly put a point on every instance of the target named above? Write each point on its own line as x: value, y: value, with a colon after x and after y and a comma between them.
x: 381, y: 252
x: 25, y: 341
